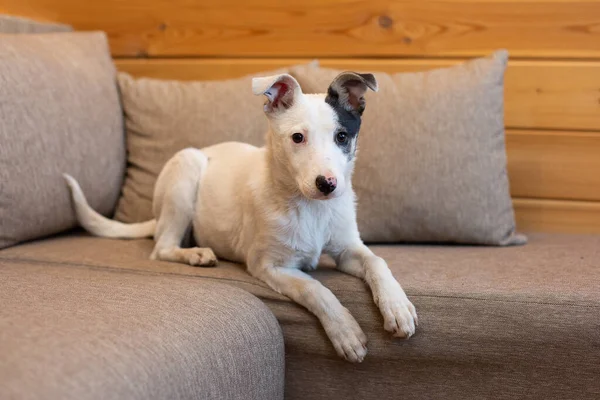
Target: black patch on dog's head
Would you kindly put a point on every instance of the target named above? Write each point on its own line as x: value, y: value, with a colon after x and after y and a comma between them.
x: 349, y: 122
x: 346, y: 96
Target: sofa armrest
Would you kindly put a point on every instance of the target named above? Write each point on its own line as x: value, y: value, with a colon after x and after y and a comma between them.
x: 69, y: 332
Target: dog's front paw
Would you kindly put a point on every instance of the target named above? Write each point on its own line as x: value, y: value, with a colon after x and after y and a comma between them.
x: 399, y: 314
x: 348, y: 339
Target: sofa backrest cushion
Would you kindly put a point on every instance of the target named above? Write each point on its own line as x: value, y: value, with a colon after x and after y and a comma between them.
x: 165, y: 116
x: 59, y: 113
x: 431, y: 164
x: 14, y: 24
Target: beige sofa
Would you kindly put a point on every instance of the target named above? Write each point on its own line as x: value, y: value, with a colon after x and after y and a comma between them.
x: 84, y: 317
x: 90, y: 318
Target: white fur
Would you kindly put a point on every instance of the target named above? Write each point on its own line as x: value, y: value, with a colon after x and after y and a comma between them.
x: 261, y: 206
x: 98, y: 224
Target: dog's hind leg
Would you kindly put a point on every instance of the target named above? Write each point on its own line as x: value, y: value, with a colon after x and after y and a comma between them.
x: 173, y: 205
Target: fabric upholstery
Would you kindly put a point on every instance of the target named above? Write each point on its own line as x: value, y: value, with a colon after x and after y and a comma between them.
x: 163, y: 117
x: 13, y: 24
x: 494, y: 322
x: 59, y: 112
x: 431, y: 165
x: 70, y: 332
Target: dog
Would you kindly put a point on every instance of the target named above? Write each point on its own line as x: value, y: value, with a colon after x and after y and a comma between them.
x: 277, y: 208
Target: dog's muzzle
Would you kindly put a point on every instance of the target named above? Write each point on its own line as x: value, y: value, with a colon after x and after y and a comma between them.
x: 326, y: 185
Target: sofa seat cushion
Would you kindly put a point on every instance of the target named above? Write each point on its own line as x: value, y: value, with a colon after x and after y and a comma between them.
x: 494, y: 322
x: 71, y: 332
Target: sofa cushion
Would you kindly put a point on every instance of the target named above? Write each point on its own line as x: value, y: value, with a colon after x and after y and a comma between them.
x: 431, y: 165
x: 163, y: 117
x: 59, y: 112
x: 71, y: 332
x: 494, y: 322
x: 14, y: 24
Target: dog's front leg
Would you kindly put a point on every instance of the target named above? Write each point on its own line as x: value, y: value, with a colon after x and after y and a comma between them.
x: 342, y: 329
x: 399, y: 314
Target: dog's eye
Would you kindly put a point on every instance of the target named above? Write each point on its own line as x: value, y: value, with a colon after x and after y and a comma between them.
x: 298, y: 138
x: 341, y: 137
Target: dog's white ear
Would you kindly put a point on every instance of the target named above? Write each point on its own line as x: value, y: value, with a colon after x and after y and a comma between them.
x: 348, y: 89
x: 280, y: 90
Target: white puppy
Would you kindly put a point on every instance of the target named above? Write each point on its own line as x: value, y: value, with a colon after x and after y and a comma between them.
x: 276, y: 208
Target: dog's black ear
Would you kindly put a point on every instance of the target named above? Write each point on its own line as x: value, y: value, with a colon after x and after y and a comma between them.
x: 348, y: 90
x: 280, y: 90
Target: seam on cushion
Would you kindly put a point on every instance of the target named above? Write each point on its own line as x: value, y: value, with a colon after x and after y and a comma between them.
x: 119, y: 269
x: 159, y: 273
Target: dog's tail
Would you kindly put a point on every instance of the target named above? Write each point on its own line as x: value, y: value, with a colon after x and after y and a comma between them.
x: 99, y: 225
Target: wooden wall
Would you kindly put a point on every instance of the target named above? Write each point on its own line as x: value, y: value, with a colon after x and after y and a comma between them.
x: 552, y: 84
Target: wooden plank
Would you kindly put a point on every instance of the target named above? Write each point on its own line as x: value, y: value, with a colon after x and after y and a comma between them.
x: 539, y: 94
x: 189, y: 69
x: 554, y: 165
x: 557, y: 216
x: 327, y: 28
x: 555, y: 95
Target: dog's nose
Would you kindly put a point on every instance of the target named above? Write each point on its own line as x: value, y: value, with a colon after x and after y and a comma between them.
x: 326, y: 185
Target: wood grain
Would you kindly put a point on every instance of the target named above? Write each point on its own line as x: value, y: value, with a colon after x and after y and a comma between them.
x: 327, y: 28
x: 539, y: 94
x: 554, y: 165
x: 557, y: 216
